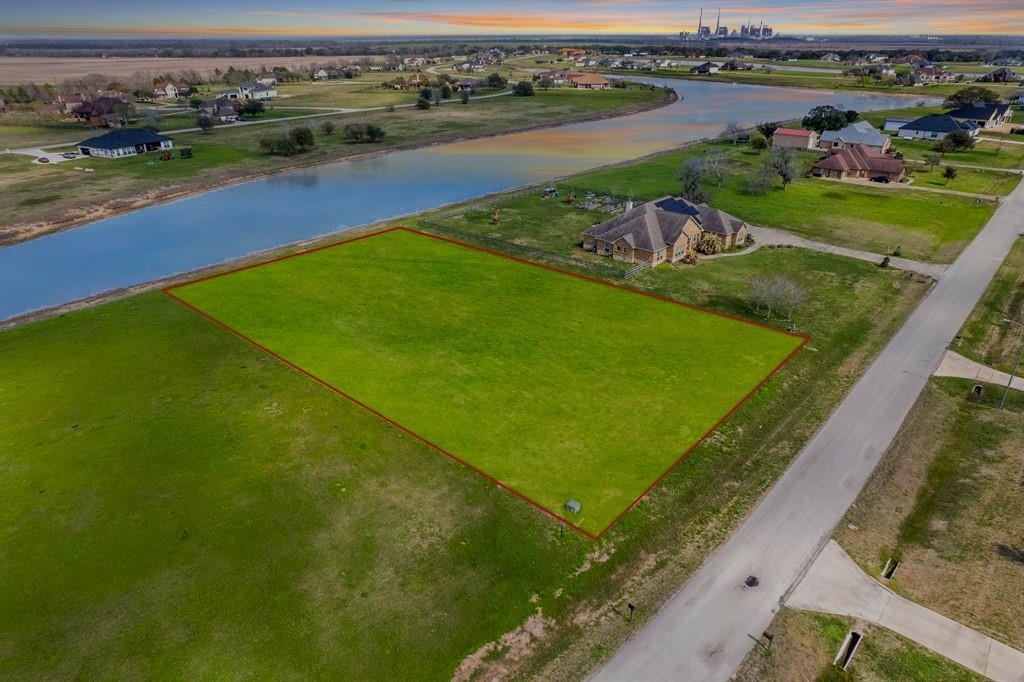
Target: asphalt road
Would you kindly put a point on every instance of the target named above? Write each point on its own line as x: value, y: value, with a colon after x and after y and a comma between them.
x: 705, y: 630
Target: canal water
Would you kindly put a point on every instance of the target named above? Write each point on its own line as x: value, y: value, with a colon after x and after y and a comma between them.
x: 228, y: 223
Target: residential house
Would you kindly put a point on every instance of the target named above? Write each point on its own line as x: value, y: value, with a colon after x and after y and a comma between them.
x: 932, y: 74
x: 571, y: 52
x: 705, y: 68
x: 212, y: 106
x: 589, y: 81
x: 124, y: 142
x: 984, y: 114
x: 831, y: 57
x: 662, y: 231
x: 908, y: 59
x: 1003, y: 75
x: 266, y: 78
x: 794, y: 138
x: 173, y: 90
x: 257, y: 91
x: 556, y: 77
x: 734, y: 65
x: 936, y: 127
x: 321, y: 75
x: 103, y: 111
x: 470, y: 84
x: 895, y: 123
x: 68, y: 103
x: 860, y: 161
x: 861, y: 132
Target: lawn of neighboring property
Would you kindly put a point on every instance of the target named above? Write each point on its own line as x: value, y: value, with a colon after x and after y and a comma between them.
x: 231, y: 152
x: 945, y: 502
x: 923, y: 225
x: 976, y: 181
x: 515, y: 376
x: 984, y: 337
x: 806, y: 643
x: 984, y: 153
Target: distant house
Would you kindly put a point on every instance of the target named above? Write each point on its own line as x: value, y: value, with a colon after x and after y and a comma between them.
x: 257, y: 91
x: 734, y: 65
x: 859, y: 161
x: 936, y: 127
x: 103, y: 111
x: 794, y: 138
x: 556, y: 77
x: 985, y: 114
x: 571, y: 52
x: 172, y: 90
x: 588, y: 81
x: 68, y: 103
x: 705, y: 68
x: 662, y: 231
x: 932, y: 74
x: 321, y: 75
x: 1003, y: 75
x: 470, y: 83
x: 267, y: 78
x: 124, y: 142
x: 861, y: 132
x: 831, y: 57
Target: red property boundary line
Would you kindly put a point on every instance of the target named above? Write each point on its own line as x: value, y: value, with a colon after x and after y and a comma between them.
x: 804, y: 339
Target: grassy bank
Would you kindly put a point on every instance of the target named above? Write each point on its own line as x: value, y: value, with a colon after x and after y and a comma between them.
x: 176, y: 502
x: 944, y: 502
x: 806, y: 644
x: 49, y: 197
x: 985, y: 337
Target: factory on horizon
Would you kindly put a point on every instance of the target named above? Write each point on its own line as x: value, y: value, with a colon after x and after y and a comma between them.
x: 748, y: 31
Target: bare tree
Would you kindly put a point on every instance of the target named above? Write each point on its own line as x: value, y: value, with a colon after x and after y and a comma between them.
x: 774, y: 292
x: 791, y: 295
x: 690, y: 175
x: 783, y: 162
x: 732, y: 132
x: 714, y: 163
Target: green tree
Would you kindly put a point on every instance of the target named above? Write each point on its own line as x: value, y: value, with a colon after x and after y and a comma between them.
x: 464, y: 96
x: 690, y: 175
x: 783, y: 162
x: 205, y: 122
x: 195, y: 102
x: 546, y: 83
x: 327, y: 127
x: 970, y: 95
x: 824, y: 117
x: 933, y: 160
x: 446, y: 91
x: 496, y: 81
x: 949, y: 173
x: 251, y: 107
x: 758, y: 142
x: 523, y: 89
x: 423, y: 103
x: 302, y: 136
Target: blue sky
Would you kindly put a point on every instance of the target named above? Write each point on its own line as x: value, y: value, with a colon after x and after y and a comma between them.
x: 413, y: 17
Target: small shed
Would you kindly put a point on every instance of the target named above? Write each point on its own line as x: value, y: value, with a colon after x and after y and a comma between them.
x: 573, y: 506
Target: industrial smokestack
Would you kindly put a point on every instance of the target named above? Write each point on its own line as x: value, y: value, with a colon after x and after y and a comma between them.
x: 718, y: 21
x: 700, y: 21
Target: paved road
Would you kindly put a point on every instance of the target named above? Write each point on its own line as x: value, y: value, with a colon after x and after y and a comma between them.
x: 705, y: 630
x: 835, y: 584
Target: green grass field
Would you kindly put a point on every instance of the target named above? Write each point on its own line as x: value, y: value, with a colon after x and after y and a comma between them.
x: 926, y: 226
x: 516, y: 375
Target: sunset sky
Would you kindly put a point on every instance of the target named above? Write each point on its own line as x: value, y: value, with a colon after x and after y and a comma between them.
x: 413, y: 17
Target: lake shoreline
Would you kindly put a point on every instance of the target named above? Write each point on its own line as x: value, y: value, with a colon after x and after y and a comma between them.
x: 23, y: 232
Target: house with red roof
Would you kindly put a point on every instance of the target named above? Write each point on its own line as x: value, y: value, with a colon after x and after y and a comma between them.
x: 860, y: 161
x: 794, y: 138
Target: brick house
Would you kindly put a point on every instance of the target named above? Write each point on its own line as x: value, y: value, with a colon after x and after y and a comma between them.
x: 859, y: 161
x: 588, y: 81
x: 662, y: 231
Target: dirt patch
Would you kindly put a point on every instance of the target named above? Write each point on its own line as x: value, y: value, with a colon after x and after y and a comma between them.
x: 494, y: 660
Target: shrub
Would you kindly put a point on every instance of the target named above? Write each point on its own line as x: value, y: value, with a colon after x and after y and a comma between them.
x: 446, y: 91
x: 709, y: 244
x: 251, y: 107
x: 302, y: 136
x: 363, y: 133
x: 464, y: 96
x: 758, y: 142
x: 327, y: 127
x: 523, y: 89
x: 423, y: 103
x: 690, y: 257
x: 278, y: 144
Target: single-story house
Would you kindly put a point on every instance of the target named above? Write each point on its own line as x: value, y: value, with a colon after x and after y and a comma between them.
x: 226, y: 113
x: 861, y: 132
x: 895, y: 123
x: 705, y: 68
x: 831, y: 57
x: 571, y: 52
x: 102, y: 111
x: 124, y: 142
x: 985, y: 114
x: 68, y: 103
x: 794, y: 138
x: 589, y: 81
x: 557, y: 77
x: 321, y: 75
x: 662, y: 231
x: 470, y: 83
x: 267, y: 78
x: 936, y: 127
x: 860, y: 161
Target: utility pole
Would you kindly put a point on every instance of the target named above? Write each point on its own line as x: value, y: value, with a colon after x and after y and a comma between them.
x: 1016, y: 366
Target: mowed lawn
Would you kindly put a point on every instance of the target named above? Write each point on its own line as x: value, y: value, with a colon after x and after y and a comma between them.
x: 558, y: 387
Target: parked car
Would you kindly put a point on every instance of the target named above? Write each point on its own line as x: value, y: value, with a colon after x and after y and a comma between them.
x: 43, y: 159
x: 881, y: 178
x: 69, y: 155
